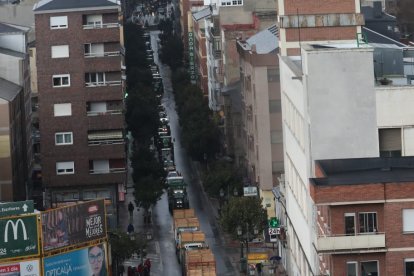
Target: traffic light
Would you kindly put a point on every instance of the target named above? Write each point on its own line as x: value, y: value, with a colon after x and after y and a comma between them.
x: 273, y: 222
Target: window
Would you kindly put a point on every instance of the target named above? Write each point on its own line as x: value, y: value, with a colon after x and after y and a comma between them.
x: 61, y: 80
x: 63, y: 138
x: 60, y: 51
x: 94, y: 50
x: 65, y: 167
x: 350, y: 224
x: 94, y: 194
x: 272, y: 74
x: 409, y: 267
x: 408, y: 220
x: 351, y: 269
x: 58, y: 22
x: 94, y: 19
x: 274, y: 106
x: 64, y: 109
x: 390, y: 142
x: 369, y: 268
x: 276, y: 136
x: 95, y: 78
x: 367, y: 222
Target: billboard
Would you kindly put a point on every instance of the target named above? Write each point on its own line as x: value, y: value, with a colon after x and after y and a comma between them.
x: 73, y: 224
x: 19, y: 237
x: 81, y: 262
x: 24, y: 268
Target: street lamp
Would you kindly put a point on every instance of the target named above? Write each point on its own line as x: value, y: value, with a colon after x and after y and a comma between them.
x: 245, y: 236
x: 235, y: 192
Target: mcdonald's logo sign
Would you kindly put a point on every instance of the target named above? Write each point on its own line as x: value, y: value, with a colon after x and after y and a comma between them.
x: 15, y: 228
x: 19, y: 237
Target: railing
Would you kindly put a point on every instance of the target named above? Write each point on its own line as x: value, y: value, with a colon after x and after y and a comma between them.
x: 106, y: 83
x: 104, y: 54
x: 108, y: 112
x: 111, y: 170
x: 105, y: 142
x: 100, y: 26
x: 362, y: 241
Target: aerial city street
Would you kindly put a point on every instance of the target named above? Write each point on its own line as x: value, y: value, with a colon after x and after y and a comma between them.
x: 204, y: 138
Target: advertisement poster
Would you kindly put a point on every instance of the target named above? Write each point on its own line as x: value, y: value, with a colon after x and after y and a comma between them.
x: 26, y: 268
x: 73, y: 224
x: 90, y: 261
x: 19, y: 237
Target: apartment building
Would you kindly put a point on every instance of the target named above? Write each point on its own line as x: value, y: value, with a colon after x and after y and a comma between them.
x: 186, y: 19
x: 229, y: 21
x: 199, y: 51
x: 15, y: 109
x: 261, y: 111
x: 79, y: 55
x: 365, y: 208
x: 338, y: 102
x: 307, y: 21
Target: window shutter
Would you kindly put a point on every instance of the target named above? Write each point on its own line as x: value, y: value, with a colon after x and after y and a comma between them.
x: 60, y: 51
x: 408, y: 220
x: 390, y: 139
x: 64, y: 109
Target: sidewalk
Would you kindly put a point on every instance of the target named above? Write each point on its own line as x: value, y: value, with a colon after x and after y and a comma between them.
x: 232, y: 246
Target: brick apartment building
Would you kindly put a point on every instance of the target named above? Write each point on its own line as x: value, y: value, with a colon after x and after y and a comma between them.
x: 305, y: 21
x: 79, y: 52
x: 366, y: 208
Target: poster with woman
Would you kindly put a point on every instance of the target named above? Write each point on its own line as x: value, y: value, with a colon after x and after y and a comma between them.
x: 89, y: 261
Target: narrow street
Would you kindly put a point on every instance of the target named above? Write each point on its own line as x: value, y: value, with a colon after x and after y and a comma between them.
x: 161, y: 249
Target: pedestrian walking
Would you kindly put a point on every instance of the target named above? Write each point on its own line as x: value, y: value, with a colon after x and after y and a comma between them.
x: 130, y: 273
x: 121, y: 270
x: 147, y: 264
x: 130, y: 209
x: 130, y: 228
x: 140, y: 269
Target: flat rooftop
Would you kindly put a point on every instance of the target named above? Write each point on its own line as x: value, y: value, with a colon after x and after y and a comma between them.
x: 365, y: 170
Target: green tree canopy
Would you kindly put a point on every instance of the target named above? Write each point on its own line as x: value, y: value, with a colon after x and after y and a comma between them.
x: 221, y: 175
x: 147, y: 191
x: 123, y: 246
x: 244, y: 212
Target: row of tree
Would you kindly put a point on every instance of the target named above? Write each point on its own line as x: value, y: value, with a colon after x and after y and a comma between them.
x: 142, y: 119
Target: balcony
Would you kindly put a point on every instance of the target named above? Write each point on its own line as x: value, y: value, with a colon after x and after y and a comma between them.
x: 99, y: 25
x: 107, y: 112
x: 369, y: 242
x: 112, y: 166
x: 109, y: 137
x: 104, y: 54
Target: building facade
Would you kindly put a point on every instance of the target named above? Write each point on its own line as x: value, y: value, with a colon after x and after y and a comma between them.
x: 317, y: 22
x: 261, y: 112
x: 79, y: 55
x: 16, y: 143
x: 322, y: 122
x: 366, y: 208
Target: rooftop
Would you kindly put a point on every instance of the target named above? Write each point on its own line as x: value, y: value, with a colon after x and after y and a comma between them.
x: 51, y: 5
x: 202, y: 13
x: 8, y: 90
x: 7, y: 28
x: 265, y: 41
x: 365, y: 170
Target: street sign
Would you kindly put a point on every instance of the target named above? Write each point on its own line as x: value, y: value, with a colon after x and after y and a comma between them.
x: 250, y: 191
x: 19, y: 237
x: 274, y: 231
x: 8, y: 209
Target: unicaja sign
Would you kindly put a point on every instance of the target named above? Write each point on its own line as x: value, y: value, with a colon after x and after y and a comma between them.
x: 15, y: 228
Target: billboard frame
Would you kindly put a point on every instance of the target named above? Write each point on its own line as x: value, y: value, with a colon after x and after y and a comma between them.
x: 39, y: 248
x: 49, y: 252
x: 103, y: 242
